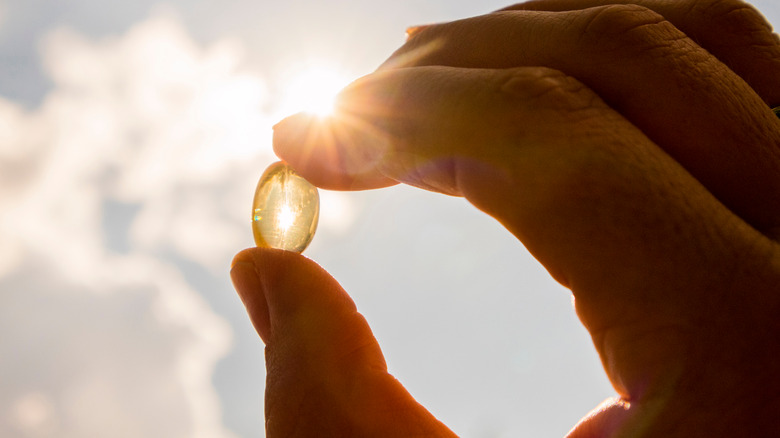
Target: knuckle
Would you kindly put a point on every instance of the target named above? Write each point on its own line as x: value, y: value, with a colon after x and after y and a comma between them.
x: 548, y: 107
x: 618, y: 20
x: 627, y: 29
x: 739, y: 20
x: 592, y: 141
x: 548, y: 90
x: 736, y: 28
x: 730, y: 9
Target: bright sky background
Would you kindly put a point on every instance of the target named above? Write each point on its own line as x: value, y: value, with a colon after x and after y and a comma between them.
x: 131, y: 138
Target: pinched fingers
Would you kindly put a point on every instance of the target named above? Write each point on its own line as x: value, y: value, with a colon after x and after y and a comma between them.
x: 615, y: 180
x: 588, y: 193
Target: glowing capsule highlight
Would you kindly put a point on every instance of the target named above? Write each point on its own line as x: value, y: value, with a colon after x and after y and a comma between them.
x: 285, y: 210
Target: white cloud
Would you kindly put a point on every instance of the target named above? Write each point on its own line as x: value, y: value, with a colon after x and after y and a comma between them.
x: 152, y: 120
x: 133, y: 362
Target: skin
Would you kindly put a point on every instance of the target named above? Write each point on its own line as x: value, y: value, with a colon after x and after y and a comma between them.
x: 630, y: 146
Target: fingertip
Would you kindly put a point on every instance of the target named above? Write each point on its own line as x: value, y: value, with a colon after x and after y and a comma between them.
x: 411, y: 31
x: 272, y: 265
x: 251, y: 291
x: 290, y: 131
x: 293, y: 136
x: 272, y: 283
x: 244, y: 256
x: 330, y: 151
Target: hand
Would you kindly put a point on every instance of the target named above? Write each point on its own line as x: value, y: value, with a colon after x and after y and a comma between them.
x: 640, y: 165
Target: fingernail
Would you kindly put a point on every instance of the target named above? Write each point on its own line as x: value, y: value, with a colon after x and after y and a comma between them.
x: 250, y: 290
x: 413, y: 30
x: 295, y: 122
x: 291, y: 124
x: 244, y: 278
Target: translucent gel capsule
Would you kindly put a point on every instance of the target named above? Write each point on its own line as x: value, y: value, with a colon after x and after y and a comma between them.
x: 285, y: 209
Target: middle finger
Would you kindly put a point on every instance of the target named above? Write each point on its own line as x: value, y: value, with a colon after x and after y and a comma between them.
x: 682, y: 97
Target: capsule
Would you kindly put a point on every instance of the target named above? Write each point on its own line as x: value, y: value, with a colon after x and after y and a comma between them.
x: 285, y: 210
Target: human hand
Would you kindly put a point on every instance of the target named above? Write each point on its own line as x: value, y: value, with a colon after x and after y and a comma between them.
x: 640, y: 165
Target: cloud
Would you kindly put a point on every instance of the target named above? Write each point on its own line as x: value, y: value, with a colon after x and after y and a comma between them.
x: 146, y: 150
x: 133, y: 358
x: 163, y: 124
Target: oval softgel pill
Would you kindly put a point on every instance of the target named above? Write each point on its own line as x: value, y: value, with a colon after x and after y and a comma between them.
x: 285, y: 210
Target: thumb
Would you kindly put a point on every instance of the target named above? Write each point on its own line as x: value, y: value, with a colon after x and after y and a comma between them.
x: 326, y: 375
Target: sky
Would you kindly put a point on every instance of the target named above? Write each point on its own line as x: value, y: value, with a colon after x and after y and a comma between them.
x: 132, y: 135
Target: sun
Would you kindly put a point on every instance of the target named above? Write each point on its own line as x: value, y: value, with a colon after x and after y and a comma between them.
x: 313, y: 90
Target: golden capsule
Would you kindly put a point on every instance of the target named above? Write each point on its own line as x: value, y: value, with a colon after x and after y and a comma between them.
x: 285, y: 210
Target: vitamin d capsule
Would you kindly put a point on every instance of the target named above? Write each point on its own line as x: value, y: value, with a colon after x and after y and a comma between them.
x: 285, y: 210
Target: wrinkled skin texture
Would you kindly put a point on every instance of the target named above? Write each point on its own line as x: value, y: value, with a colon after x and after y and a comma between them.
x: 630, y: 146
